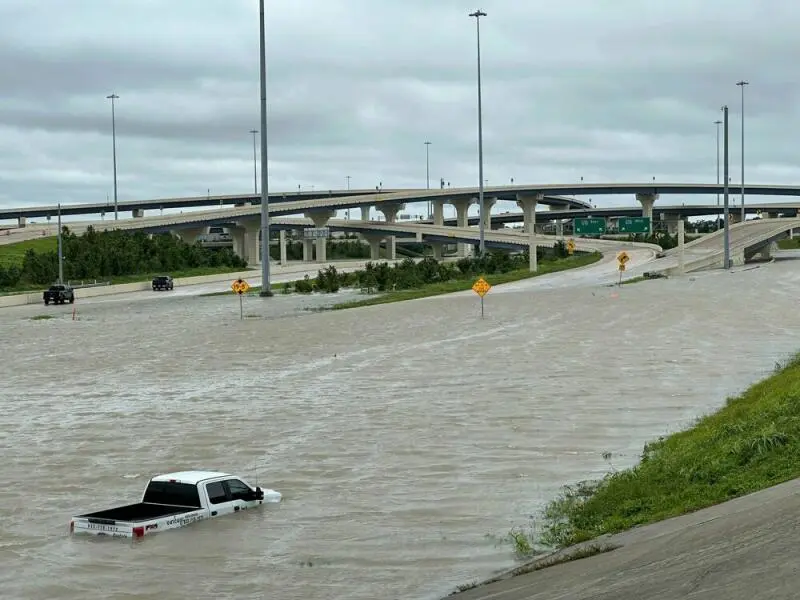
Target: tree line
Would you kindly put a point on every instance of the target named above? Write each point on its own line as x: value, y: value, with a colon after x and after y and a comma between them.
x: 408, y: 274
x: 108, y: 254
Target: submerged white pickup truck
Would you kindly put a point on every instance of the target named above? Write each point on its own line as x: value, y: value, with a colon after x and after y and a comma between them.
x: 174, y: 500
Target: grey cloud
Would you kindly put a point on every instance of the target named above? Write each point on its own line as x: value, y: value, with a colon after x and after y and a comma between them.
x: 604, y: 89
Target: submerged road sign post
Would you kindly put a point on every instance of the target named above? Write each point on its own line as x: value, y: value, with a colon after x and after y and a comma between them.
x: 589, y: 226
x: 622, y: 259
x: 240, y: 287
x: 481, y: 287
x: 634, y: 225
x: 570, y: 246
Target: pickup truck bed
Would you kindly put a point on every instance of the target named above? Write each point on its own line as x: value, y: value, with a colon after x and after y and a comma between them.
x: 141, y: 511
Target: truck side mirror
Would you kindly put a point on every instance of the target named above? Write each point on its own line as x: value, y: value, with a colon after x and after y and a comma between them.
x: 259, y: 493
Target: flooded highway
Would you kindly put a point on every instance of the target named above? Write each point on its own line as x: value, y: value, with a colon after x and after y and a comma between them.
x: 407, y: 439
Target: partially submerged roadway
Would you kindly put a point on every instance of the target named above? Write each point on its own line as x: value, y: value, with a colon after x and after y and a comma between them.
x: 744, y: 549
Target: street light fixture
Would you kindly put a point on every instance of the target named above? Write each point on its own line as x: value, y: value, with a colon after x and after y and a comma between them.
x: 113, y: 97
x: 266, y: 285
x: 255, y: 174
x: 741, y: 84
x: 348, y: 182
x: 726, y: 239
x: 482, y: 246
x: 718, y: 123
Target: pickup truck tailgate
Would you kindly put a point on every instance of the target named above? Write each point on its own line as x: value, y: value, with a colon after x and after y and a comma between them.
x: 109, y: 527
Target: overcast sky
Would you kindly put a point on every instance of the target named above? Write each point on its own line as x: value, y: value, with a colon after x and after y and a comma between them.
x: 607, y: 90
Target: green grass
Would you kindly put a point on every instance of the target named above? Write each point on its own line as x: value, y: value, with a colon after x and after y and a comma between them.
x: 196, y: 272
x: 750, y: 444
x: 13, y: 254
x: 789, y: 244
x: 42, y: 317
x: 460, y: 285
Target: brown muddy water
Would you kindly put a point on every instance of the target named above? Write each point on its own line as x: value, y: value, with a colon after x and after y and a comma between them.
x: 407, y: 439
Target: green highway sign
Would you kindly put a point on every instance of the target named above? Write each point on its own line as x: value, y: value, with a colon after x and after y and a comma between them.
x: 591, y: 226
x: 634, y: 225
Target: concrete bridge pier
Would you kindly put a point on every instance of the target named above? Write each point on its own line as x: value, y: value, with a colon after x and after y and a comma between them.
x: 237, y: 234
x: 528, y: 202
x: 390, y: 210
x: 438, y: 212
x: 252, y: 253
x: 308, y: 250
x: 766, y: 252
x: 365, y: 213
x: 438, y: 250
x: 320, y: 219
x: 22, y: 222
x: 138, y: 213
x: 462, y: 207
x: 672, y: 222
x: 282, y: 246
x: 647, y: 201
x: 374, y: 241
x: 558, y: 222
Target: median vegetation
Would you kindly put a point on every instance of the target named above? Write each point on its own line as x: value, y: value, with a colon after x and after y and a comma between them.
x: 750, y: 444
x: 411, y: 279
x: 115, y: 256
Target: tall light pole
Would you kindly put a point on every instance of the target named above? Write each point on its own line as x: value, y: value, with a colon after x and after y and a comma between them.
x: 60, y: 249
x: 348, y: 182
x: 113, y: 97
x: 266, y: 285
x: 718, y: 123
x: 255, y: 175
x: 741, y: 84
x: 428, y: 174
x: 482, y: 247
x: 727, y: 234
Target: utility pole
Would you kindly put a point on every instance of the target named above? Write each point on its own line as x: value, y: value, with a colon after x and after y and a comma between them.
x: 348, y: 182
x: 718, y: 123
x: 113, y: 97
x: 255, y: 174
x: 727, y: 233
x: 482, y: 246
x: 266, y: 284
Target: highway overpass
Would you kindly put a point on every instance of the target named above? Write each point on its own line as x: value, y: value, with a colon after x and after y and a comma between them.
x: 353, y: 199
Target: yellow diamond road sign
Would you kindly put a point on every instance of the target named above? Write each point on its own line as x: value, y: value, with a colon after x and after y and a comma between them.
x: 481, y: 287
x: 240, y: 286
x: 623, y: 257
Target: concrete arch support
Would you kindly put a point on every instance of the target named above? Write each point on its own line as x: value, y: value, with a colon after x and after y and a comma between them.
x: 438, y: 212
x: 462, y: 208
x: 237, y: 233
x: 488, y: 205
x: 252, y: 248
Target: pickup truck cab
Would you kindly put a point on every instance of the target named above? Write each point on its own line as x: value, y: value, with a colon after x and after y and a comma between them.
x: 174, y: 500
x: 58, y: 294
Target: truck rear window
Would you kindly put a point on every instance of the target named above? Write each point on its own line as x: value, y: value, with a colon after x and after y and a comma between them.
x: 168, y: 492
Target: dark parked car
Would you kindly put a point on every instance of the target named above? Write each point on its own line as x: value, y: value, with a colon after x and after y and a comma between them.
x: 58, y: 294
x: 163, y: 282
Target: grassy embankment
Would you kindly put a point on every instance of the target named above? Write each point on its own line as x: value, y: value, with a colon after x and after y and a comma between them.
x: 456, y: 285
x: 789, y: 244
x: 14, y: 254
x: 750, y: 444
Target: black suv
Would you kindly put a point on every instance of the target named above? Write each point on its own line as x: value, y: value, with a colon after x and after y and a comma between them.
x: 163, y: 282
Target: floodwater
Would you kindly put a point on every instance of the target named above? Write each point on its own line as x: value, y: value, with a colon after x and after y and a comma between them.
x: 407, y: 439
